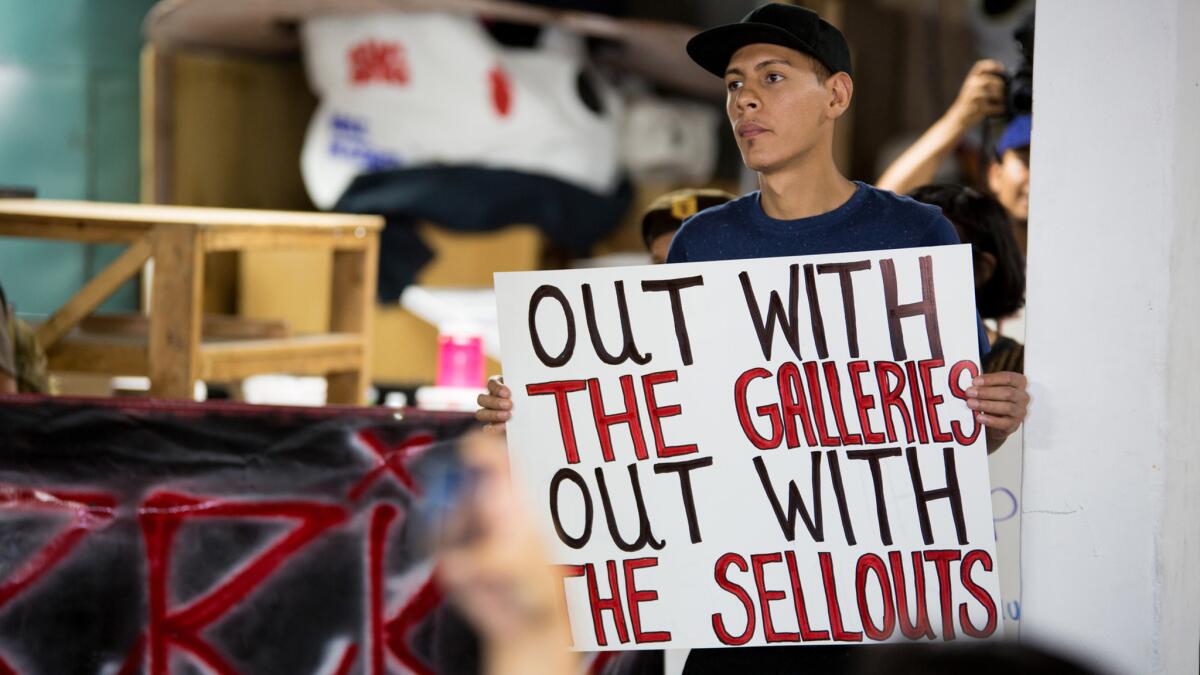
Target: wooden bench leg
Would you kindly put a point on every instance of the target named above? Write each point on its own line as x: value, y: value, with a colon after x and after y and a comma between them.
x: 351, y: 309
x: 175, y: 311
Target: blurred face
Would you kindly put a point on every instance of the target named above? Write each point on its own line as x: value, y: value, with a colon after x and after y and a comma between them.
x: 1008, y: 179
x: 778, y: 107
x: 659, y: 246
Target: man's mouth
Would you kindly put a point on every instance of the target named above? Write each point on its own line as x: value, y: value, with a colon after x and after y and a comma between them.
x: 750, y: 130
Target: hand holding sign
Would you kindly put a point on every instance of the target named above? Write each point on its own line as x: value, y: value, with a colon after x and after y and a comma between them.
x: 757, y: 452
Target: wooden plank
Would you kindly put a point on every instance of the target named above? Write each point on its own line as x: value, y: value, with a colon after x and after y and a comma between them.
x: 83, y: 213
x: 88, y: 354
x: 214, y: 326
x: 351, y: 310
x: 96, y: 291
x: 175, y: 307
x: 301, y: 355
x: 41, y: 228
x: 276, y: 238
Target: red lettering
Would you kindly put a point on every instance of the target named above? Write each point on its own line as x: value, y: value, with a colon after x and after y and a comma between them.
x: 833, y: 382
x: 863, y: 402
x: 768, y: 411
x: 628, y: 416
x: 390, y: 459
x: 635, y: 597
x: 919, y: 628
x: 932, y: 401
x: 657, y: 413
x: 806, y: 633
x: 867, y: 564
x: 890, y: 397
x: 376, y: 61
x: 765, y: 597
x: 722, y: 578
x: 611, y: 603
x: 161, y: 517
x: 942, y: 560
x: 914, y: 393
x: 977, y: 592
x: 960, y: 392
x: 501, y: 87
x: 794, y: 405
x: 560, y: 389
x: 88, y: 511
x: 840, y: 634
x: 818, y: 404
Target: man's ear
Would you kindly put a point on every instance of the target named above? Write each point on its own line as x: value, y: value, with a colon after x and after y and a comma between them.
x: 841, y: 90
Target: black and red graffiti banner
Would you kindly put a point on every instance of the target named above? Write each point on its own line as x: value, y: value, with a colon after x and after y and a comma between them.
x: 152, y: 538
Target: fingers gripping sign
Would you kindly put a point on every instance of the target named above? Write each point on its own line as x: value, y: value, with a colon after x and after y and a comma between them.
x: 495, y: 407
x: 1000, y: 402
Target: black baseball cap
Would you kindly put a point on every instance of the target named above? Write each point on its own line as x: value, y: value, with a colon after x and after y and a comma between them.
x: 789, y: 26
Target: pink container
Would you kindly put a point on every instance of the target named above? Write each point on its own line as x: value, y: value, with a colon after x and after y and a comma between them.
x: 460, y: 359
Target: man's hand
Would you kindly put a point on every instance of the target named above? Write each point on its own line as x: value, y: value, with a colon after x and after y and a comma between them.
x: 981, y: 95
x: 495, y: 407
x: 1000, y: 402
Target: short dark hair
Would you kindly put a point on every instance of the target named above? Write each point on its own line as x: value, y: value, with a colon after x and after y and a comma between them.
x: 984, y: 224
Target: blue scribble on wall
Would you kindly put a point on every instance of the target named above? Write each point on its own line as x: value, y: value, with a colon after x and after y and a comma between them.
x: 1013, y: 610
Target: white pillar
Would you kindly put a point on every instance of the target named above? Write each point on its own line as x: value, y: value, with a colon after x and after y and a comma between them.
x: 1111, y: 531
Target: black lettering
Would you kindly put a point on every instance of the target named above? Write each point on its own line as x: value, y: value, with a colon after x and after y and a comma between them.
x: 950, y: 493
x: 787, y: 521
x: 844, y: 270
x: 683, y: 470
x: 628, y: 348
x: 873, y: 457
x: 775, y: 312
x: 673, y: 287
x: 645, y: 535
x: 927, y: 307
x: 547, y: 291
x: 555, y: 484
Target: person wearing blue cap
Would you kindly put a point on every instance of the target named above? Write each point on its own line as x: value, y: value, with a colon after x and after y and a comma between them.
x: 1008, y: 175
x: 980, y: 97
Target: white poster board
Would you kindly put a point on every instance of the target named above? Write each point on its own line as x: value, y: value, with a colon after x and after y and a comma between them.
x: 773, y: 451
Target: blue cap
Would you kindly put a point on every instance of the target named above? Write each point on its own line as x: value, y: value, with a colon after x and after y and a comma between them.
x: 1015, y: 136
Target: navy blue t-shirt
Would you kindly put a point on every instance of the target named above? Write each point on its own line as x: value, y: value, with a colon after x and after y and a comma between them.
x: 871, y: 220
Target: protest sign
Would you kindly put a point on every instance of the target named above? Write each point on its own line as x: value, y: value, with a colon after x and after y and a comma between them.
x: 756, y: 452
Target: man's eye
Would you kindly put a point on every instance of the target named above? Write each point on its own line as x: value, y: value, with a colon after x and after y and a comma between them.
x: 734, y: 85
x: 774, y: 77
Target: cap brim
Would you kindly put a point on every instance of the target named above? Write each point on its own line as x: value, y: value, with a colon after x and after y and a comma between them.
x: 713, y: 48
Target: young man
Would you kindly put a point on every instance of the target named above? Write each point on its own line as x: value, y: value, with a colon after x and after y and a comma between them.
x: 787, y: 74
x: 1008, y: 175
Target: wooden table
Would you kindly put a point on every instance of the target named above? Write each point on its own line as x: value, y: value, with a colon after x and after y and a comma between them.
x: 173, y: 354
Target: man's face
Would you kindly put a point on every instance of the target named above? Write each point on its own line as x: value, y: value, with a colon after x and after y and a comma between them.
x: 660, y: 246
x: 776, y: 104
x: 1008, y: 179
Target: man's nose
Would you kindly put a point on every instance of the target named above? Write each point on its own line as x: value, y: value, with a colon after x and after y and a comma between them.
x: 746, y: 99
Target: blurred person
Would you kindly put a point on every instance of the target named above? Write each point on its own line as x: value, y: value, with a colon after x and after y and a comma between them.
x: 1008, y: 175
x: 998, y: 264
x: 495, y: 569
x: 980, y: 97
x: 665, y: 215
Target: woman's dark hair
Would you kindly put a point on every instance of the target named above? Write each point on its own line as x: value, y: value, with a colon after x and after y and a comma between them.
x: 982, y: 222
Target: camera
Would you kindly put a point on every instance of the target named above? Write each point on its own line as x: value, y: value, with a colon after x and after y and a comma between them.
x: 1018, y: 87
